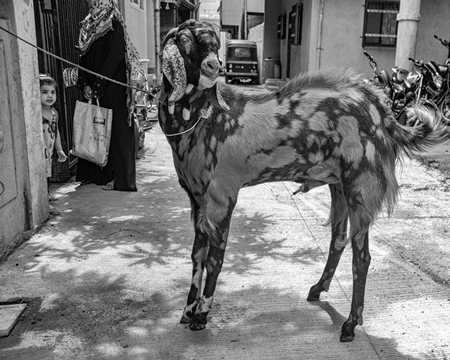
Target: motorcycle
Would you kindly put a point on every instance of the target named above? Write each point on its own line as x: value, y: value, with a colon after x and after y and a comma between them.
x: 424, y: 87
x: 399, y: 89
x: 380, y: 78
x: 443, y: 101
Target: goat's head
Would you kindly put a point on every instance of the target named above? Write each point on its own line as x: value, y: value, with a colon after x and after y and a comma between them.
x: 190, y: 59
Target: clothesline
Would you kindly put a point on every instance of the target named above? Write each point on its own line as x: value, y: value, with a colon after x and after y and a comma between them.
x: 100, y: 76
x: 80, y: 67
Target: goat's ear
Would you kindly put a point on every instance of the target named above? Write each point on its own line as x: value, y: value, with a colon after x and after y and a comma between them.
x: 174, y: 70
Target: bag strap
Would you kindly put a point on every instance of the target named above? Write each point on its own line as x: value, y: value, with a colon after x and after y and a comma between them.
x: 90, y: 101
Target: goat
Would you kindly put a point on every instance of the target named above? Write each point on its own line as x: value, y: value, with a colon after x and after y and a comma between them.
x: 325, y: 129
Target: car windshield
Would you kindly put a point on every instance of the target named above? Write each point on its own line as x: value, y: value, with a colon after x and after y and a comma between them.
x: 241, y: 53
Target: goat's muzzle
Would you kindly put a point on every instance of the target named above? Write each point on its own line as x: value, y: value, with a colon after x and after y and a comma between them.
x: 209, y: 72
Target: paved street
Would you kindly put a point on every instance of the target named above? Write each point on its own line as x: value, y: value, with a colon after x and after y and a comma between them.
x: 108, y: 279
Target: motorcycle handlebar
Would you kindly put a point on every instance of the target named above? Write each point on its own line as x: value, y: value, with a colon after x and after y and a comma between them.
x: 416, y: 62
x: 368, y: 55
x: 443, y: 42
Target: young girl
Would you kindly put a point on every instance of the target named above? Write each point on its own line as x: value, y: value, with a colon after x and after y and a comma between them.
x: 52, y: 137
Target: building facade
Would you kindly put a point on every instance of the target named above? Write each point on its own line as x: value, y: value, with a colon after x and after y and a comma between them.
x: 319, y: 34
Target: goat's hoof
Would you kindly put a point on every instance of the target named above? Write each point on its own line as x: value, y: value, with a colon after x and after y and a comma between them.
x: 195, y: 326
x: 348, y: 332
x: 185, y: 320
x: 314, y: 294
x: 198, y: 323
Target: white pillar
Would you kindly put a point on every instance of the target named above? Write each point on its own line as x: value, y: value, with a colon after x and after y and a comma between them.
x: 408, y: 22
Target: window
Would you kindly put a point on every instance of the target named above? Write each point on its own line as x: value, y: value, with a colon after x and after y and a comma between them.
x: 139, y: 3
x: 241, y: 53
x: 295, y: 25
x: 380, y: 23
x: 281, y: 28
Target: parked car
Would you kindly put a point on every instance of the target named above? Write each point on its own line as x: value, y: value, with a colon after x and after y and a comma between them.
x: 241, y: 61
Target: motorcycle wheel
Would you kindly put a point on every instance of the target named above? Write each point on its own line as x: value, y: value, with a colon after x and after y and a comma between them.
x: 444, y: 108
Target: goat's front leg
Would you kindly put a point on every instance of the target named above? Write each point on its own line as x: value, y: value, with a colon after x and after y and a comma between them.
x: 339, y: 221
x: 209, y: 250
x: 198, y: 257
x: 361, y: 262
x: 214, y: 264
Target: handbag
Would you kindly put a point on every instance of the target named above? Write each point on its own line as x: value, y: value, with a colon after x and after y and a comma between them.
x: 91, y: 132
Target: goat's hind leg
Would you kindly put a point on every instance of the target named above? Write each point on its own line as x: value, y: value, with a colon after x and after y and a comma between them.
x: 361, y: 262
x: 339, y: 221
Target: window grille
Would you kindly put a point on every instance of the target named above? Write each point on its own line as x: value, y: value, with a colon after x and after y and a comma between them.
x: 380, y: 23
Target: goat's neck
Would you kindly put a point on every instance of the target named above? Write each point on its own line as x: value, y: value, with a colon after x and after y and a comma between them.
x: 175, y: 123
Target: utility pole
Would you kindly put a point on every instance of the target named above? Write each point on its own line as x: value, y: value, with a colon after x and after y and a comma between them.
x: 408, y: 22
x: 245, y: 21
x: 157, y: 12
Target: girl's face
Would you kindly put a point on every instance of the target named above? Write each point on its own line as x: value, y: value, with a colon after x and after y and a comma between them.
x: 48, y: 95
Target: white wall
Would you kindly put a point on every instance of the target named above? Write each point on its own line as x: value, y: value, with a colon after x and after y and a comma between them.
x: 29, y: 100
x: 232, y: 10
x: 136, y: 22
x: 24, y: 203
x: 257, y: 35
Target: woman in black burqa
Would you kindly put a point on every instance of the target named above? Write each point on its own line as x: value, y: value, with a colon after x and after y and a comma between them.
x: 106, y: 49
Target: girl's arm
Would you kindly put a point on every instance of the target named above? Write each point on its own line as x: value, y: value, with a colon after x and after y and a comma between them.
x: 59, y: 150
x: 58, y: 146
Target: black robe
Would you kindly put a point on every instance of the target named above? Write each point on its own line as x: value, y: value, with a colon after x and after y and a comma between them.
x: 106, y: 56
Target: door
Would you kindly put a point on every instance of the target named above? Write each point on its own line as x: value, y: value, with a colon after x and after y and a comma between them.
x: 57, y: 29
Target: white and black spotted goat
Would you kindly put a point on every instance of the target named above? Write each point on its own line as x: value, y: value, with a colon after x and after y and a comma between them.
x: 316, y: 130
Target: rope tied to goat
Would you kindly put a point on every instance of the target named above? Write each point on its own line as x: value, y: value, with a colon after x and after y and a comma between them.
x: 148, y: 92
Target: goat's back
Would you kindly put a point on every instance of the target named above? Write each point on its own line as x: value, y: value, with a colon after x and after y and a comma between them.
x: 316, y: 130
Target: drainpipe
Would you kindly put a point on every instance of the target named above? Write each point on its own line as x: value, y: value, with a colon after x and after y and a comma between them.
x: 408, y: 22
x: 245, y: 21
x: 319, y: 36
x: 157, y: 41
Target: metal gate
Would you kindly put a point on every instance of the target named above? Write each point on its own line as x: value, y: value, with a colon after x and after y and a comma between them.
x: 57, y: 29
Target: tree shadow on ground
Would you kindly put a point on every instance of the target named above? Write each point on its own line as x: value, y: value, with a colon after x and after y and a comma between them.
x: 252, y: 323
x: 93, y: 314
x: 149, y: 227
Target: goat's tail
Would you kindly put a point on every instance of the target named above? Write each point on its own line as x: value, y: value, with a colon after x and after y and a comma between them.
x: 429, y: 131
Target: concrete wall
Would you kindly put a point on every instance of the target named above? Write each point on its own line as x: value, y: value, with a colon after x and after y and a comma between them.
x: 342, y: 38
x: 150, y: 38
x: 256, y: 34
x: 271, y: 48
x: 337, y: 43
x: 27, y: 206
x: 136, y: 21
x: 232, y: 10
x: 434, y: 20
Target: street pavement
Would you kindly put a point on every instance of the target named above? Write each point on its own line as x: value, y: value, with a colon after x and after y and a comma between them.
x: 109, y: 277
